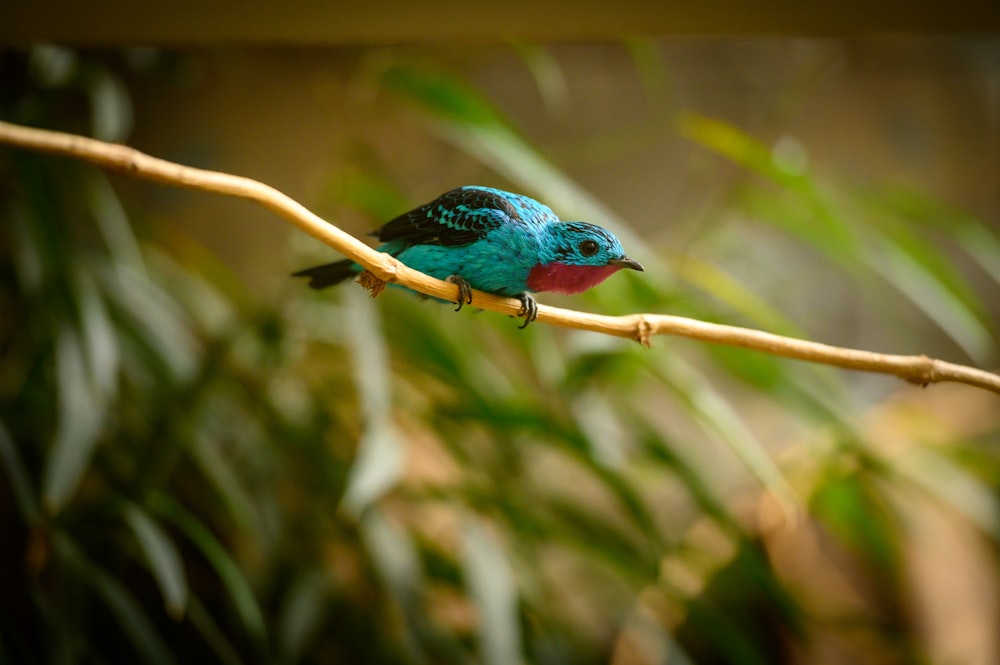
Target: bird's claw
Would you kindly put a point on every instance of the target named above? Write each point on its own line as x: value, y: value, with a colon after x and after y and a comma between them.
x: 464, y: 290
x: 529, y: 309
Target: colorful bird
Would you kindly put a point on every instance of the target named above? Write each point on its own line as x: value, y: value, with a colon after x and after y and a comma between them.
x: 494, y: 241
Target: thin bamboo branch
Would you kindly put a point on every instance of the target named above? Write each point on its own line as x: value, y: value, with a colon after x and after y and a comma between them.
x: 920, y: 370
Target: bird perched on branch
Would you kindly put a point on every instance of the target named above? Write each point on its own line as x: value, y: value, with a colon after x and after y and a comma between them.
x: 494, y: 241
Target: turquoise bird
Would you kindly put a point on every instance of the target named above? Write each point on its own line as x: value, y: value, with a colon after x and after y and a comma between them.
x: 494, y: 241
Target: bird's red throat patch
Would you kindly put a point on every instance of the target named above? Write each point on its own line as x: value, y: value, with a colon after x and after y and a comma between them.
x: 568, y: 279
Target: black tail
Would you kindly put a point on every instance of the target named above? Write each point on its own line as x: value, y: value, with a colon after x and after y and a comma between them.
x: 329, y: 274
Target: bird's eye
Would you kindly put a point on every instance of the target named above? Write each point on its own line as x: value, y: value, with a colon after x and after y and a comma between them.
x: 588, y: 248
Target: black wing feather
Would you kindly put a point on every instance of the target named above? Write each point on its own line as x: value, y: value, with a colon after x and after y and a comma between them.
x: 456, y: 218
x: 329, y: 274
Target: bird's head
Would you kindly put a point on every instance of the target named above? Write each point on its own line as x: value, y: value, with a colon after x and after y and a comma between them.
x: 577, y: 256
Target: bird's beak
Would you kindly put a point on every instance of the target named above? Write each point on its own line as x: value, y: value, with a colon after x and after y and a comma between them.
x: 626, y: 262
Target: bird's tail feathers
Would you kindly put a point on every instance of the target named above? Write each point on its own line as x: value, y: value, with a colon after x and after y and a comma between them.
x: 329, y: 274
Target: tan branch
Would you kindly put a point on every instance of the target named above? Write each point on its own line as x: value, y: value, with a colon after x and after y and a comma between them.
x: 920, y: 370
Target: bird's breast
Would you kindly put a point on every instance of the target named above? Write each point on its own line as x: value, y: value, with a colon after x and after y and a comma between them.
x: 568, y: 279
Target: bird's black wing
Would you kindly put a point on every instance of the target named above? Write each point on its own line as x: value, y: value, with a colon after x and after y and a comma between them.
x: 457, y: 217
x: 329, y: 274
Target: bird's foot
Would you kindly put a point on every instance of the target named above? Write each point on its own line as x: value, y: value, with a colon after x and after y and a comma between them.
x: 464, y: 290
x: 529, y: 309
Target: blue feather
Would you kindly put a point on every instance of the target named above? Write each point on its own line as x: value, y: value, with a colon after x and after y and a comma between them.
x: 494, y: 241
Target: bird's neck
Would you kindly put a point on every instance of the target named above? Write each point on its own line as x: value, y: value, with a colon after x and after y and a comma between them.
x: 567, y: 279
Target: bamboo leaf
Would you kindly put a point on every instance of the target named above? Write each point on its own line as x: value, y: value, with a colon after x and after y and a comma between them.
x: 214, y: 636
x: 601, y: 428
x: 983, y: 246
x: 100, y: 339
x: 112, y: 221
x: 163, y: 559
x: 393, y: 553
x: 301, y: 615
x: 157, y: 319
x: 960, y: 489
x: 232, y: 578
x: 804, y: 211
x: 851, y: 506
x: 80, y: 418
x: 491, y: 582
x: 53, y: 66
x: 380, y: 454
x: 550, y: 80
x: 441, y: 94
x: 28, y: 257
x: 927, y: 253
x: 716, y: 416
x: 20, y: 482
x: 130, y: 615
x: 219, y: 472
x: 110, y: 106
x: 735, y: 294
x: 376, y: 468
x: 934, y: 299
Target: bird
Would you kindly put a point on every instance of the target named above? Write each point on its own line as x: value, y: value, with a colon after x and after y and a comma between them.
x: 495, y: 241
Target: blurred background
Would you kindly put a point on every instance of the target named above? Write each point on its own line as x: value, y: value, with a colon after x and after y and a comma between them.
x: 202, y: 460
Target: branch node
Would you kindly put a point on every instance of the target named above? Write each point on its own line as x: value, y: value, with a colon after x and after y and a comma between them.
x: 925, y: 373
x: 387, y: 269
x: 643, y: 332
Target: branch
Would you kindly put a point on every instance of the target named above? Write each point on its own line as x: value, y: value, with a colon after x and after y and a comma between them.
x: 920, y: 370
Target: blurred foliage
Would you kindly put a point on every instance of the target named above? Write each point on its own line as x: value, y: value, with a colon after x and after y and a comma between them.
x: 192, y: 475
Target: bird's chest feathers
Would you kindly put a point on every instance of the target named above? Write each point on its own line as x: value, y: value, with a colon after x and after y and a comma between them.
x: 568, y: 279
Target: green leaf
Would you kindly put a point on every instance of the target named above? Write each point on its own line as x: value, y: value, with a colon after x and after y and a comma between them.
x: 954, y: 485
x: 158, y: 321
x: 494, y: 592
x: 163, y: 559
x: 205, y: 454
x: 947, y: 310
x: 362, y: 190
x: 737, y: 614
x: 850, y: 505
x: 982, y: 245
x: 601, y: 427
x: 216, y: 639
x: 929, y: 255
x: 550, y: 80
x: 735, y: 294
x: 100, y: 339
x: 714, y: 413
x: 122, y: 604
x: 20, y: 482
x: 28, y: 256
x: 573, y: 524
x: 393, y: 553
x: 800, y: 208
x: 301, y: 615
x: 80, y: 418
x: 380, y: 453
x: 230, y: 574
x: 650, y: 66
x: 110, y: 106
x: 662, y: 451
x: 441, y: 95
x: 53, y: 66
x: 376, y: 468
x: 650, y: 639
x: 112, y: 221
x: 727, y: 140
